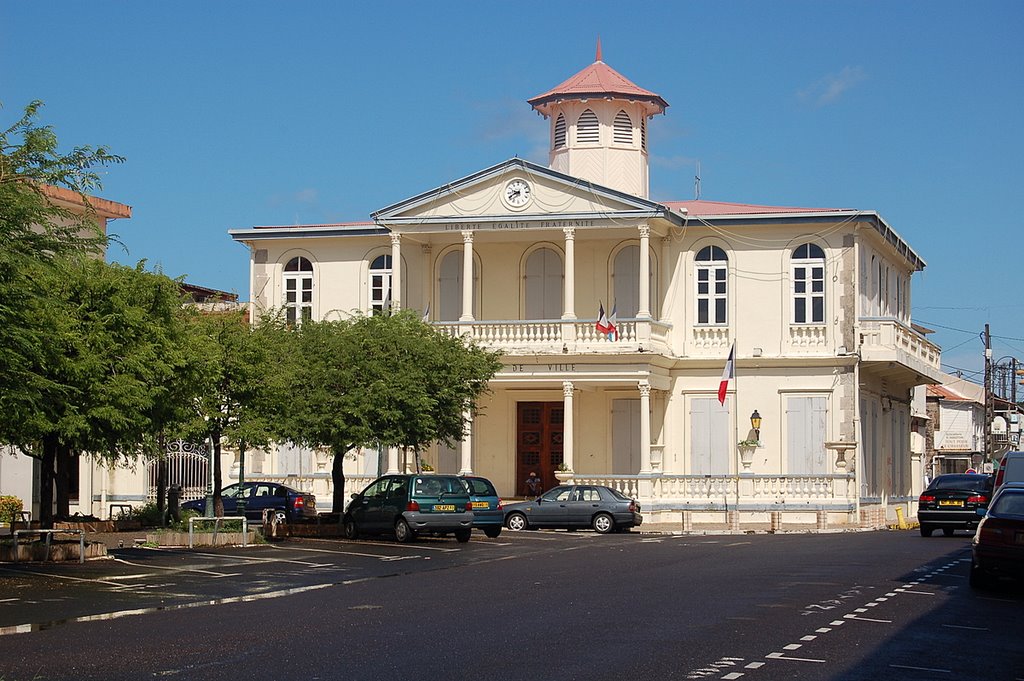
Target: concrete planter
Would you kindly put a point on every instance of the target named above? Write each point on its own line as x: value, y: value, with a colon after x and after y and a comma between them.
x: 59, y: 551
x: 199, y: 538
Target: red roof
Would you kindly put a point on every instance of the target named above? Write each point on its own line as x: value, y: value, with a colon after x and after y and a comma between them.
x: 598, y: 80
x: 707, y: 208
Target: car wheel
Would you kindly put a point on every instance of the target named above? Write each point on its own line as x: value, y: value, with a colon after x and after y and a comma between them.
x: 462, y: 536
x: 926, y: 530
x: 977, y: 578
x: 517, y: 522
x: 403, y: 533
x: 947, y: 531
x: 279, y: 517
x: 603, y: 523
x: 492, y: 532
x: 350, y: 529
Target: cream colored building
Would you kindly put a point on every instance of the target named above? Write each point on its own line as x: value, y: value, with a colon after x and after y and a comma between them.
x: 520, y: 257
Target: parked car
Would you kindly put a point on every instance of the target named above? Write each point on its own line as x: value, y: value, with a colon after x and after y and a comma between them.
x: 950, y: 502
x: 575, y: 506
x: 410, y: 505
x: 287, y: 504
x: 488, y: 513
x: 1011, y: 469
x: 998, y: 545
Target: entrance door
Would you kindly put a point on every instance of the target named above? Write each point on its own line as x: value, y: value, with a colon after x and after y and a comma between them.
x: 538, y: 442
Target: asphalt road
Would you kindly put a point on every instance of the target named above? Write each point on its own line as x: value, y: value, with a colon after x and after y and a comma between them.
x: 531, y: 605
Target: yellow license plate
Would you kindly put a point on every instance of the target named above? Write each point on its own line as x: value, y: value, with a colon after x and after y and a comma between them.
x: 950, y: 502
x: 444, y: 507
x: 480, y: 504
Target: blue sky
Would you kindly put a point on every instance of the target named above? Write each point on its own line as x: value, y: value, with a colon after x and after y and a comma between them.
x: 233, y: 114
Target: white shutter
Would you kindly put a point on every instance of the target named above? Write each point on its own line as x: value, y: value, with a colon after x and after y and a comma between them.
x: 450, y: 285
x: 625, y: 437
x: 709, y: 437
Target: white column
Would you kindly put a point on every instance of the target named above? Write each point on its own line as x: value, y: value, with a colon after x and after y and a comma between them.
x: 467, y: 277
x: 569, y: 292
x: 567, y: 427
x: 645, y: 427
x: 645, y: 272
x: 466, y: 446
x: 392, y: 461
x: 396, y: 271
x: 428, y: 290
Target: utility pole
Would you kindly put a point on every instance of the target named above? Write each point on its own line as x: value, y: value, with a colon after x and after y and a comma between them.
x: 989, y: 415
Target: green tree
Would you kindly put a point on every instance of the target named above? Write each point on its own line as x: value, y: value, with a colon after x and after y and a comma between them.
x: 387, y: 379
x: 113, y: 348
x: 35, y: 230
x: 240, y: 399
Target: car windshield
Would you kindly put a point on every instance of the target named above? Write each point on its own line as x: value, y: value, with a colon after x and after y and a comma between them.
x: 231, y: 491
x: 961, y: 482
x: 1009, y: 503
x: 480, y: 487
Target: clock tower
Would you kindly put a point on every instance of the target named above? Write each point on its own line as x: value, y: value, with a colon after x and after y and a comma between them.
x: 599, y: 127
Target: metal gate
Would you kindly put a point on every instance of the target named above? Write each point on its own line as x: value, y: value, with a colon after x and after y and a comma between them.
x: 187, y: 466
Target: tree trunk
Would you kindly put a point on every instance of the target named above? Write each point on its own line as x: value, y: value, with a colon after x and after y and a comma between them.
x: 46, y: 476
x: 160, y: 452
x: 338, y: 478
x: 63, y: 480
x: 218, y: 501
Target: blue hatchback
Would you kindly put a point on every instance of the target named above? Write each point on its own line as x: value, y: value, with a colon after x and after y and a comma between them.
x: 488, y: 514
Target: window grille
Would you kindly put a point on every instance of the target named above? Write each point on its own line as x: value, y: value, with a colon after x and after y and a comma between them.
x: 588, y: 129
x: 560, y: 132
x: 622, y: 131
x: 712, y: 270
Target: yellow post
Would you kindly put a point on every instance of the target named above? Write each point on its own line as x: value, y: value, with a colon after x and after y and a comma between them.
x: 900, y: 522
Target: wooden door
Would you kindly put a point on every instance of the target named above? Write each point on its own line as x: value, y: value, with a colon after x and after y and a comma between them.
x: 539, y: 427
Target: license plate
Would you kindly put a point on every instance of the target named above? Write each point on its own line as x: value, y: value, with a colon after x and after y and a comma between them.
x: 480, y: 504
x: 444, y: 507
x: 950, y: 502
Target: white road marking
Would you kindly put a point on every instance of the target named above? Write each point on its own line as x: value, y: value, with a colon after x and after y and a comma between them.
x: 866, y: 619
x: 921, y: 669
x: 754, y: 665
x: 922, y: 593
x: 793, y: 646
x: 808, y: 638
x: 780, y: 656
x: 836, y: 623
x: 733, y: 675
x: 823, y: 630
x: 737, y: 543
x: 960, y: 626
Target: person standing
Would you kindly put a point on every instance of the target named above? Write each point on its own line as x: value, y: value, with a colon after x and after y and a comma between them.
x: 534, y: 486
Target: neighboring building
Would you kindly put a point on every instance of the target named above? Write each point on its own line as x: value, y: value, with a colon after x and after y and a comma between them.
x: 955, y: 440
x: 520, y: 257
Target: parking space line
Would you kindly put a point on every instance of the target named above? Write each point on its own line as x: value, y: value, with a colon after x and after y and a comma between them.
x: 780, y: 656
x: 921, y: 669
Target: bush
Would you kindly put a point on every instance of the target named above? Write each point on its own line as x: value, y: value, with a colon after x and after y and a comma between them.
x: 148, y: 514
x: 10, y: 508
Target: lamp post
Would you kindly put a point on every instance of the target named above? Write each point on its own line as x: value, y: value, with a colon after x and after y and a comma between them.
x: 755, y: 423
x: 209, y: 479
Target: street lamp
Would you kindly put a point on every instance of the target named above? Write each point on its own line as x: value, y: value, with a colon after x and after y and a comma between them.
x: 755, y: 423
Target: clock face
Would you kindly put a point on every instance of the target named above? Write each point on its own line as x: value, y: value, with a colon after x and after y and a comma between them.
x: 517, y: 193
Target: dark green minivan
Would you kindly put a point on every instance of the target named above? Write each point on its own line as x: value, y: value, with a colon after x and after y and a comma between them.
x: 410, y: 505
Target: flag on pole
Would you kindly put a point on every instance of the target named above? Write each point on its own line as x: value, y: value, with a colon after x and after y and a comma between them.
x: 613, y: 322
x: 728, y: 374
x: 603, y: 325
x: 426, y: 313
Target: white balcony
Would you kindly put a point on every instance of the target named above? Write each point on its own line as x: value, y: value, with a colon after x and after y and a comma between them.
x: 886, y: 340
x: 555, y: 336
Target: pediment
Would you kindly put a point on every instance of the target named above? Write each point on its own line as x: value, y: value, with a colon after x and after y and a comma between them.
x: 480, y: 198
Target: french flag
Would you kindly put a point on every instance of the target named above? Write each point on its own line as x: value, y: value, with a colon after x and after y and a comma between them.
x: 728, y: 374
x: 603, y: 325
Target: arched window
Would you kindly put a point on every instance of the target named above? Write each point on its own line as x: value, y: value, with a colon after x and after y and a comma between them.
x: 559, y: 132
x: 449, y: 282
x: 298, y: 290
x: 380, y: 283
x: 543, y: 285
x: 712, y: 268
x: 588, y: 130
x: 622, y: 129
x: 626, y: 282
x: 808, y: 269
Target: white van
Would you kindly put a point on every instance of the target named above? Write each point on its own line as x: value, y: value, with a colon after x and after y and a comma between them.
x: 1011, y: 469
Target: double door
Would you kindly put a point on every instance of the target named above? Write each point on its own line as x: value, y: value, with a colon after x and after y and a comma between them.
x: 539, y: 429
